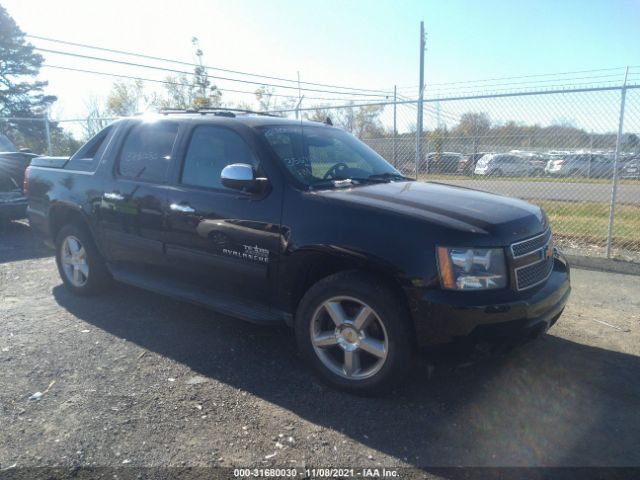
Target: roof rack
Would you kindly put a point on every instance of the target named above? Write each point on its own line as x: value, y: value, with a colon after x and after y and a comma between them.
x: 223, y: 112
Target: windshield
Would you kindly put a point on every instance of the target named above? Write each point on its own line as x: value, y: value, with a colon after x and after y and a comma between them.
x: 319, y: 156
x: 6, y: 145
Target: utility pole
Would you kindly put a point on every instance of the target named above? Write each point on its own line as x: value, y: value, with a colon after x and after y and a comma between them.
x: 395, y: 129
x: 420, y: 102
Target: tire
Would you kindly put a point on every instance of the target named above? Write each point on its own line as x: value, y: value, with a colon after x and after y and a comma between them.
x: 80, y: 265
x: 385, y: 331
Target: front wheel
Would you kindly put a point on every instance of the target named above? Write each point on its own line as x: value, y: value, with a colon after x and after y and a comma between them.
x: 81, y: 266
x: 354, y: 332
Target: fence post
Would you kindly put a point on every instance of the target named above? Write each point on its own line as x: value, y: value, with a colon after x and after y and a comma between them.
x: 614, y: 187
x: 420, y: 101
x: 395, y: 129
x: 47, y: 132
x: 298, y: 108
x: 418, y: 139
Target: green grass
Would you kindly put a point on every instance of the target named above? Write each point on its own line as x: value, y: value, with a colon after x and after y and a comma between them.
x: 441, y: 177
x: 589, y: 222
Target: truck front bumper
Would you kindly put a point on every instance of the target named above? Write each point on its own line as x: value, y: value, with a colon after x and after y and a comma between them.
x: 505, y: 316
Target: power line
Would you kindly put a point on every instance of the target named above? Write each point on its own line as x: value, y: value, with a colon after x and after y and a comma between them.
x: 179, y: 62
x: 167, y: 82
x: 516, y: 77
x: 487, y: 89
x: 531, y: 89
x: 131, y: 64
x: 531, y: 84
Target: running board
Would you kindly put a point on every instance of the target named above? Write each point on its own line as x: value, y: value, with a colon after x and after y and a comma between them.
x: 226, y: 304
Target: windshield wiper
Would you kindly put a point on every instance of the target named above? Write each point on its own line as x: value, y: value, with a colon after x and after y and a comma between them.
x: 343, y: 182
x: 388, y: 176
x: 339, y: 182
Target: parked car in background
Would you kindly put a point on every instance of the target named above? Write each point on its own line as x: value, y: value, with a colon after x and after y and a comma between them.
x: 504, y: 164
x: 537, y: 160
x: 631, y: 169
x: 13, y: 163
x: 468, y: 162
x: 581, y: 165
x: 444, y: 162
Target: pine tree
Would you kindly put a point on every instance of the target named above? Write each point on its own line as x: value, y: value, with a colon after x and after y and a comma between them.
x: 21, y: 95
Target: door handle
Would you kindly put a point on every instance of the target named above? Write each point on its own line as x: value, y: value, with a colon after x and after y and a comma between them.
x: 182, y: 208
x: 113, y: 196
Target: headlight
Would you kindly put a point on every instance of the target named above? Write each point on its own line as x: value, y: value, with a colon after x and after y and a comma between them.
x: 472, y: 268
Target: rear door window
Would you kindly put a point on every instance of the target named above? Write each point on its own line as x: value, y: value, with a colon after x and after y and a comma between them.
x: 146, y: 152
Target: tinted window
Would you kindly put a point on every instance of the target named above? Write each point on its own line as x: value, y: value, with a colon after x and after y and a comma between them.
x: 146, y: 152
x: 93, y: 146
x: 210, y: 150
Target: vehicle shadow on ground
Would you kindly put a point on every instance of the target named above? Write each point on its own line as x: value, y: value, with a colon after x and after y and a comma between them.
x: 17, y: 242
x: 553, y: 402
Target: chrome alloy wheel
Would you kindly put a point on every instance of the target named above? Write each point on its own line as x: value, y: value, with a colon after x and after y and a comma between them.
x: 73, y: 257
x: 349, y: 338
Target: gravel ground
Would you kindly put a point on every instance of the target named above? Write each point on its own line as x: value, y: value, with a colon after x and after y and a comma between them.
x: 133, y: 378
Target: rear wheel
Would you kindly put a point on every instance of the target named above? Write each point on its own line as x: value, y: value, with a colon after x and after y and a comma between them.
x: 354, y: 332
x: 81, y: 266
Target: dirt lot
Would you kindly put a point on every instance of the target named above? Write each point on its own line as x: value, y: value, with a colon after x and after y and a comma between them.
x: 143, y: 380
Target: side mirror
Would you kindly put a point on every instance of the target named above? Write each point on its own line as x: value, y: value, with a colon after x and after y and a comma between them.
x: 240, y: 176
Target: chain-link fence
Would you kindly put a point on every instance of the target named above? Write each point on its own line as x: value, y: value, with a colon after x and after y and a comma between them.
x: 559, y: 149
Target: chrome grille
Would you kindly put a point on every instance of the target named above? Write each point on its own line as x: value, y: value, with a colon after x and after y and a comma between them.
x: 540, y: 264
x: 525, y: 247
x: 534, y: 274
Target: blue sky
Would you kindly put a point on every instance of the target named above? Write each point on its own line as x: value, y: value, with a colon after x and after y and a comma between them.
x: 368, y: 44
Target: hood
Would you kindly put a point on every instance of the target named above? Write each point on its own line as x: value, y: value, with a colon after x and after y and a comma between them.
x: 456, y: 208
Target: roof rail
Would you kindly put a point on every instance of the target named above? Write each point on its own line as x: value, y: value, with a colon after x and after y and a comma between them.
x: 226, y: 112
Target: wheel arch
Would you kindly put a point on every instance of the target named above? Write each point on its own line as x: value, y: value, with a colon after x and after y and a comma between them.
x: 309, y: 266
x: 61, y: 214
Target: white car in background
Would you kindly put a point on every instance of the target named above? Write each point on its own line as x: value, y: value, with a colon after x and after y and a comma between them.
x: 504, y: 164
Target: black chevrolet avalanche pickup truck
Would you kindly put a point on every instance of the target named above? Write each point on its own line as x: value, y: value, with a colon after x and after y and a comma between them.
x: 277, y: 221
